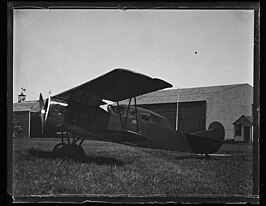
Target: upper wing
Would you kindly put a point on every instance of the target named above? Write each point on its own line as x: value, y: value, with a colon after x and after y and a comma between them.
x: 116, y: 85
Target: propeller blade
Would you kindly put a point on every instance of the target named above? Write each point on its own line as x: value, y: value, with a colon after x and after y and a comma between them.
x: 42, y: 111
x: 47, y: 108
x: 41, y: 102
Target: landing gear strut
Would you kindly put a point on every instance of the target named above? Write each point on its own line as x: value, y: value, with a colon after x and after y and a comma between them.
x: 69, y: 149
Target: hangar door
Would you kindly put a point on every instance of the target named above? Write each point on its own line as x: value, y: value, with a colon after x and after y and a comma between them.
x: 167, y: 110
x: 192, y: 116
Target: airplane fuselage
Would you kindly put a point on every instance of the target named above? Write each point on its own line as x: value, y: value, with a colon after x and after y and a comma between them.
x: 122, y: 124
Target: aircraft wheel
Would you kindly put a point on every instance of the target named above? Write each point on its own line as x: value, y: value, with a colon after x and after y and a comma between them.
x: 58, y: 149
x: 74, y: 151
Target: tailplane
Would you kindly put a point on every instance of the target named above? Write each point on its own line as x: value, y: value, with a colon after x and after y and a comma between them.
x: 209, y: 141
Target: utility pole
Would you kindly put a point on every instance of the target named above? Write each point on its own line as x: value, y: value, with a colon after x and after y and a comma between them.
x: 176, y: 122
x: 256, y: 103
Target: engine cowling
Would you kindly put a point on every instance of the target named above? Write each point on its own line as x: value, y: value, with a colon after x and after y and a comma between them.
x: 52, y: 115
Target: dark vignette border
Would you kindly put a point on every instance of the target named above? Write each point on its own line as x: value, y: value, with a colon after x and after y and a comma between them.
x: 124, y: 5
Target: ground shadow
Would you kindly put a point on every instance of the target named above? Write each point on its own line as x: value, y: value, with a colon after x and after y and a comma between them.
x: 186, y: 156
x: 210, y: 157
x: 196, y: 157
x: 97, y: 159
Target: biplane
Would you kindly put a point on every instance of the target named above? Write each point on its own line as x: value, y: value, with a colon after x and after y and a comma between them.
x: 78, y: 114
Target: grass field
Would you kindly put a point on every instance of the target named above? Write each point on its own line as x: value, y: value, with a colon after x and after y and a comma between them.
x: 113, y: 169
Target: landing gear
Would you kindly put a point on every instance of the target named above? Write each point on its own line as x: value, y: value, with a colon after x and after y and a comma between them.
x: 58, y: 149
x: 74, y: 151
x: 69, y: 149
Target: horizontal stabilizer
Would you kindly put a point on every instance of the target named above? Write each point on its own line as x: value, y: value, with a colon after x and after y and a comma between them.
x: 215, y: 132
x: 206, y: 142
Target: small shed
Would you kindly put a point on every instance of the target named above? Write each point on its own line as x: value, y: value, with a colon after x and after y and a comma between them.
x: 243, y: 129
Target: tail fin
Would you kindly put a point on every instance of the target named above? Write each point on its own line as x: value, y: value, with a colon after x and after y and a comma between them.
x: 206, y: 142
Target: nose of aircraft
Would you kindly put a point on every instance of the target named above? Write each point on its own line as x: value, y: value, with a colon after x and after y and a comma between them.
x: 42, y: 111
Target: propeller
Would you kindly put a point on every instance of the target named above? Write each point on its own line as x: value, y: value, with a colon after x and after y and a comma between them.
x: 47, y: 108
x: 42, y: 111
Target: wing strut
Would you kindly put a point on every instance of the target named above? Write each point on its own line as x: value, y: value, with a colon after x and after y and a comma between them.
x: 136, y: 111
x: 123, y: 124
x: 127, y: 114
x: 118, y: 106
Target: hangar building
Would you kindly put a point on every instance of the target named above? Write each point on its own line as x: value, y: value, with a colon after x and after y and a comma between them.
x: 198, y: 107
x: 25, y: 119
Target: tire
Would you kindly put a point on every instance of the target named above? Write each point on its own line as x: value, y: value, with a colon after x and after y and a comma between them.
x: 58, y: 150
x: 73, y: 151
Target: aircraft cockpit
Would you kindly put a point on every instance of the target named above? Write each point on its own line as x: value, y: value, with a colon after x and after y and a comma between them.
x: 144, y: 114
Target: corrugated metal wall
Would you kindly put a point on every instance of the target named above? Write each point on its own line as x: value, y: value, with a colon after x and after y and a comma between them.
x: 192, y: 116
x: 223, y: 106
x: 227, y: 106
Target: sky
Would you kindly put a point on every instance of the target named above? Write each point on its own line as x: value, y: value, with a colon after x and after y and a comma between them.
x: 58, y: 49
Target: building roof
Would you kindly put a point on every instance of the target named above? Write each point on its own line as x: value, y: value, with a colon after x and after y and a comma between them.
x: 183, y: 95
x: 31, y: 106
x: 161, y: 96
x: 245, y: 117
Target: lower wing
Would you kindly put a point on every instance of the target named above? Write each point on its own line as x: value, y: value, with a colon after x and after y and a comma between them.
x: 126, y: 137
